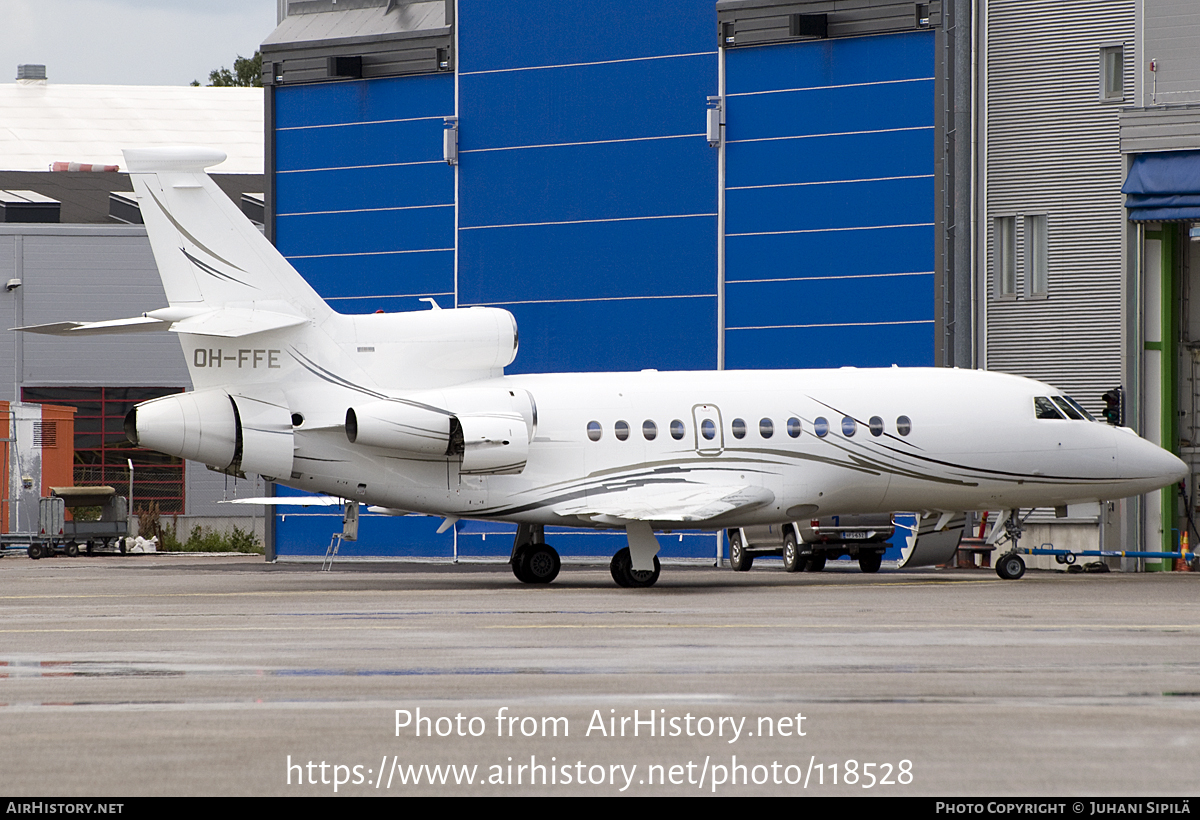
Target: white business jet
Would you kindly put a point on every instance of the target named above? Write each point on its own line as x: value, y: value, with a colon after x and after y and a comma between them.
x: 412, y: 412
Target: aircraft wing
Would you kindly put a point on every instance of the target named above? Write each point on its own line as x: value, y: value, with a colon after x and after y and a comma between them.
x: 309, y: 501
x: 675, y: 502
x: 289, y: 501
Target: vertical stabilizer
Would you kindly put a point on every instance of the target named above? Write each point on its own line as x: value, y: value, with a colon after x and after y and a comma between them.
x: 208, y: 253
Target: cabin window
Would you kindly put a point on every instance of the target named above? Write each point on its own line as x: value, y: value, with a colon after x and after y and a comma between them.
x: 649, y: 430
x: 793, y: 427
x: 849, y: 426
x: 677, y: 429
x: 739, y: 428
x: 903, y: 425
x: 766, y: 428
x: 621, y: 430
x: 1043, y: 408
x: 594, y: 430
x: 708, y: 429
x: 821, y: 426
x: 876, y: 426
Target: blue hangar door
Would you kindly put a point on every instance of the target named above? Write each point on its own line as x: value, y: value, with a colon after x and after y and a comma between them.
x: 584, y: 201
x: 365, y: 212
x: 830, y: 202
x: 588, y: 196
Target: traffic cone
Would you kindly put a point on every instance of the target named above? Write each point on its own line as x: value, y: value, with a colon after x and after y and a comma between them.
x: 1181, y: 563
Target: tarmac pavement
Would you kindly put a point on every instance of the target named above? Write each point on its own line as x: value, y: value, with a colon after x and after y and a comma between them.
x: 219, y: 675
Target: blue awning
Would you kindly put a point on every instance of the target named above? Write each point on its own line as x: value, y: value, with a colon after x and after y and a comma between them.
x: 1164, y: 187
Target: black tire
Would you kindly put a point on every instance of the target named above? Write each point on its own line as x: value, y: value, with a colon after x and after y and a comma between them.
x: 739, y: 559
x: 518, y: 563
x: 72, y: 550
x: 870, y: 561
x: 816, y: 563
x: 792, y: 561
x: 35, y: 551
x: 625, y: 575
x: 541, y: 564
x: 120, y: 545
x: 1010, y: 567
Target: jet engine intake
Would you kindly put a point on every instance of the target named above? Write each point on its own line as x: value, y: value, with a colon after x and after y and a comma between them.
x: 400, y: 425
x: 488, y: 428
x: 230, y: 433
x: 199, y: 426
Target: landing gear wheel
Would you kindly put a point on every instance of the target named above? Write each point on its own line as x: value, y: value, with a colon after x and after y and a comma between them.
x: 519, y: 562
x: 792, y: 562
x: 35, y: 551
x: 1010, y: 567
x: 540, y: 564
x: 816, y: 563
x: 625, y: 575
x: 739, y: 559
x: 870, y: 561
x: 72, y: 550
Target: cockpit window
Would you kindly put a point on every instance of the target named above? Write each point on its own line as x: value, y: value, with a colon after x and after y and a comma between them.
x: 1045, y: 409
x: 1068, y: 411
x: 1079, y: 407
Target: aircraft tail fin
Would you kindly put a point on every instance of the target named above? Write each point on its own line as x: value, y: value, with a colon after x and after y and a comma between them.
x: 208, y: 253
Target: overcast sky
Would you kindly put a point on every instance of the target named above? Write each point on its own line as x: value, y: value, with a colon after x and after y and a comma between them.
x: 130, y: 42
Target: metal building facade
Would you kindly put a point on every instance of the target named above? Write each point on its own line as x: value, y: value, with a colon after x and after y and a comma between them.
x: 588, y: 201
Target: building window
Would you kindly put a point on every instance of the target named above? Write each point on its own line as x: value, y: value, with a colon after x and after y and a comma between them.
x: 103, y: 453
x: 1112, y: 73
x: 1037, y: 277
x: 1005, y: 229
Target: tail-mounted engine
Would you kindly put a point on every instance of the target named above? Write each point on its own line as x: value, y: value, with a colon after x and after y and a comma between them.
x: 489, y: 429
x: 231, y: 433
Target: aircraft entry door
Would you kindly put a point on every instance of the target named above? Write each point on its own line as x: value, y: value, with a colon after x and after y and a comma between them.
x: 709, y: 432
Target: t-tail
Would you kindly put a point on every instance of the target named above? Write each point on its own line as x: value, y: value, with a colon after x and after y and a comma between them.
x: 210, y: 256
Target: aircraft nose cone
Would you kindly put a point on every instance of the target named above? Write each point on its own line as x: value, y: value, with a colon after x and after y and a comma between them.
x: 1148, y: 462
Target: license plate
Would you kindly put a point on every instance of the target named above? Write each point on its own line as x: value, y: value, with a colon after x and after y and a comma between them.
x: 851, y: 535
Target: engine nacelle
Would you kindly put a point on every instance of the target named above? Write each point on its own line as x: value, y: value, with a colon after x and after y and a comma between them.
x: 400, y: 425
x: 233, y: 433
x: 200, y: 426
x: 489, y: 429
x: 493, y: 444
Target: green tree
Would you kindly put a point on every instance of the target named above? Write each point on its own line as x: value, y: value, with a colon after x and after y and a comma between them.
x: 247, y: 73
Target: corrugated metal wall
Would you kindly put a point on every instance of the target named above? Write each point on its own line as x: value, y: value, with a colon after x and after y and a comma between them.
x: 1170, y: 33
x: 1053, y: 148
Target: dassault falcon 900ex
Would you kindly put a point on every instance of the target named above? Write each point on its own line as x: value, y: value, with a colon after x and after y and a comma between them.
x: 412, y: 413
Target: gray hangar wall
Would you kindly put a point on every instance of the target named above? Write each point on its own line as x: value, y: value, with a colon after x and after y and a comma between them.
x: 588, y: 202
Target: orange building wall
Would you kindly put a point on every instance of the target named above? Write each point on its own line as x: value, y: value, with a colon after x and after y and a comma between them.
x: 58, y: 460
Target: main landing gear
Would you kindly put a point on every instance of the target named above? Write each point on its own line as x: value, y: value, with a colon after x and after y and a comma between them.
x: 626, y: 576
x: 533, y: 560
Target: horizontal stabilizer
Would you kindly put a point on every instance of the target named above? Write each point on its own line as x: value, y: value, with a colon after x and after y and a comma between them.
x: 233, y: 323
x: 684, y: 503
x: 135, y: 325
x: 229, y: 323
